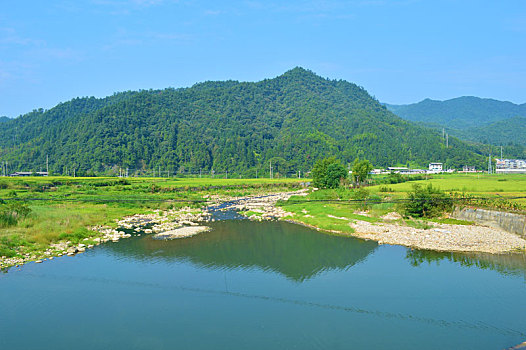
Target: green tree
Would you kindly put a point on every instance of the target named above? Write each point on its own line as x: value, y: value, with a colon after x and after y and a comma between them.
x: 328, y: 173
x: 360, y: 171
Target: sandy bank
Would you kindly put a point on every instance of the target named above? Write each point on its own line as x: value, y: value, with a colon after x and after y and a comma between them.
x: 181, y: 232
x: 441, y: 237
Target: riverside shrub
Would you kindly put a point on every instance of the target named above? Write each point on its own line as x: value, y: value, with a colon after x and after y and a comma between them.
x: 427, y: 201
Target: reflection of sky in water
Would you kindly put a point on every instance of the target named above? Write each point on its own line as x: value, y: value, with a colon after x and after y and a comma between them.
x: 260, y: 286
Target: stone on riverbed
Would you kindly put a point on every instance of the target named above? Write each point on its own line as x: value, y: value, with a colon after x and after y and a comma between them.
x: 181, y: 232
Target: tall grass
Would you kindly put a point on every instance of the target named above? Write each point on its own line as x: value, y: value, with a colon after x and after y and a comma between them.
x: 45, y: 210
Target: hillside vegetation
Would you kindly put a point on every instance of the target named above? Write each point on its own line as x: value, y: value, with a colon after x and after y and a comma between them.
x: 502, y: 132
x: 459, y: 113
x: 289, y: 121
x: 483, y: 121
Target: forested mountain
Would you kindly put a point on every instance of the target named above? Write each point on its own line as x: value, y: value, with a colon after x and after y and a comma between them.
x: 459, y: 113
x: 481, y: 121
x: 501, y: 132
x: 238, y: 127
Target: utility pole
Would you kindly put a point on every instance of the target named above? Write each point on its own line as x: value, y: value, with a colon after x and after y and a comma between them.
x: 447, y: 141
x: 490, y: 170
x: 47, y: 164
x: 200, y: 169
x: 271, y: 169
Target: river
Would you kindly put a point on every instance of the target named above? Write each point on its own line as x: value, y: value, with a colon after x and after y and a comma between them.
x: 264, y: 285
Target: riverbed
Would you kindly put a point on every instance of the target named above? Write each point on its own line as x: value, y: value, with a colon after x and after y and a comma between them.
x: 264, y: 285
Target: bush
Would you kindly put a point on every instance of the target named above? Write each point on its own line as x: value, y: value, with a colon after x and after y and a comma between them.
x: 385, y: 189
x: 427, y: 202
x: 360, y: 194
x: 396, y: 178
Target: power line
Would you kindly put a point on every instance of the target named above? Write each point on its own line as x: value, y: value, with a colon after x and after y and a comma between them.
x: 293, y: 201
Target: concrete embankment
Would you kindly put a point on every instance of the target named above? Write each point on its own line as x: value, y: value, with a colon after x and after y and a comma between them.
x: 510, y: 222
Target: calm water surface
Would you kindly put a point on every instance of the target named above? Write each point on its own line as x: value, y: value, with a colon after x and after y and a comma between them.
x: 248, y: 285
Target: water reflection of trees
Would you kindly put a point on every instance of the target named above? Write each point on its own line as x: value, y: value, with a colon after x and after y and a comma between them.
x: 297, y: 252
x: 507, y: 264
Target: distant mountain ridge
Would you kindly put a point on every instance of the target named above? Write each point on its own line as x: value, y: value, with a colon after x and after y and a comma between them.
x: 239, y: 127
x: 459, y: 113
x: 471, y: 118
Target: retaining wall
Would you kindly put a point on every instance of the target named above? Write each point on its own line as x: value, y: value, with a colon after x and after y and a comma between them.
x: 514, y: 223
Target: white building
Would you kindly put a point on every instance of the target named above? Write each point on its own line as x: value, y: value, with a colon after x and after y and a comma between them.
x: 511, y: 166
x: 469, y: 169
x: 435, y: 167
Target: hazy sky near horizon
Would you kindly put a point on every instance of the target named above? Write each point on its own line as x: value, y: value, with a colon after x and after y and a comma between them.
x: 401, y: 51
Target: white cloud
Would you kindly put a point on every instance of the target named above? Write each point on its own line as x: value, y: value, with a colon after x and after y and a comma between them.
x: 9, y: 36
x: 214, y: 12
x: 131, y: 3
x: 58, y: 53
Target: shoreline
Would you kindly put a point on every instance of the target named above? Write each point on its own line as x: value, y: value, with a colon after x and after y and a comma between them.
x: 157, y: 222
x: 435, y: 240
x: 180, y: 223
x: 440, y: 237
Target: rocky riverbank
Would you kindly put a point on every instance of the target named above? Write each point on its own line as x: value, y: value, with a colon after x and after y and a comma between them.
x: 441, y: 237
x: 168, y: 224
x: 156, y: 222
x: 181, y: 232
x: 391, y: 230
x: 264, y: 207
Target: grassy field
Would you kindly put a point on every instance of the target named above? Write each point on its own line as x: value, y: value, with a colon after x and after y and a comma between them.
x: 322, y: 208
x: 498, y: 187
x: 61, y: 208
x: 479, y: 184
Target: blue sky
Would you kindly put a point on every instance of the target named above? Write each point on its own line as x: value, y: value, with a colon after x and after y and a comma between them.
x: 401, y: 51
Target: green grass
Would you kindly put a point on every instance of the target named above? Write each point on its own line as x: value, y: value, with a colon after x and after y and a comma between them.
x: 66, y: 206
x: 495, y: 187
x: 316, y: 213
x: 326, y: 216
x: 250, y: 213
x: 415, y: 223
x: 470, y: 183
x: 451, y: 221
